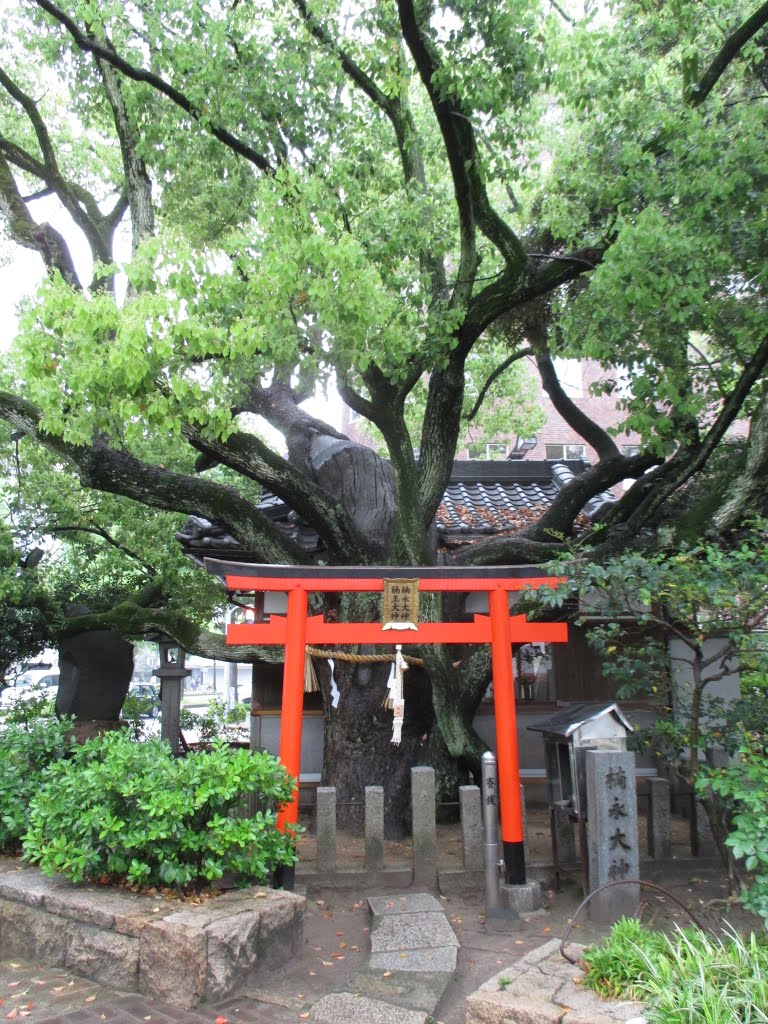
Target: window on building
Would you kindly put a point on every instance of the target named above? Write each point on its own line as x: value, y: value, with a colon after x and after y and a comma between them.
x: 566, y: 451
x: 495, y: 451
x: 630, y: 449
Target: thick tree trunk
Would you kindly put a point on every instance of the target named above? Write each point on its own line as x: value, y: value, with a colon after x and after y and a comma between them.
x: 358, y: 751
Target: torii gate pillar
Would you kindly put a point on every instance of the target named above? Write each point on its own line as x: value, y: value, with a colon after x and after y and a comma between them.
x: 507, y: 753
x: 498, y: 628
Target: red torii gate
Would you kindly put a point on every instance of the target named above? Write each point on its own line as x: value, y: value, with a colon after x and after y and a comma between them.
x: 499, y: 628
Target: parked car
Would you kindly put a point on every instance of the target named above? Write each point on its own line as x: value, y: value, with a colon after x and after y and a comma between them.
x: 149, y: 696
x: 31, y: 685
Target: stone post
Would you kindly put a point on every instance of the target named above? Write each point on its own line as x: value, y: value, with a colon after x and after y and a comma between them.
x: 325, y: 826
x: 659, y: 820
x: 612, y: 838
x: 374, y: 828
x: 564, y: 835
x: 702, y: 840
x: 424, y: 826
x: 471, y: 827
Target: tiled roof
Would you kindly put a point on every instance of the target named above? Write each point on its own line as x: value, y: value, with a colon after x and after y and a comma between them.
x: 482, y: 499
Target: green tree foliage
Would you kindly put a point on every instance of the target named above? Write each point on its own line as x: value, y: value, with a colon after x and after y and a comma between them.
x: 386, y: 197
x: 702, y: 613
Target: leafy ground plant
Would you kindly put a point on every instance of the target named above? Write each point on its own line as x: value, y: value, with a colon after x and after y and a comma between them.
x: 27, y: 748
x: 690, y: 977
x: 617, y: 965
x: 119, y: 810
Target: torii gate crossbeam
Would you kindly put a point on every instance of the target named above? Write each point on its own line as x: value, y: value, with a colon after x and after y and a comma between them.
x: 295, y: 630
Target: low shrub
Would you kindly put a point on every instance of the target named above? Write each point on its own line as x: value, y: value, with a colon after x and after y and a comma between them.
x: 745, y: 784
x: 27, y: 747
x: 217, y: 721
x: 690, y: 977
x: 123, y: 810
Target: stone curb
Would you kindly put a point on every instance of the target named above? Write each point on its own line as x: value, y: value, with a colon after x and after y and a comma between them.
x: 180, y: 954
x: 544, y: 988
x: 413, y: 957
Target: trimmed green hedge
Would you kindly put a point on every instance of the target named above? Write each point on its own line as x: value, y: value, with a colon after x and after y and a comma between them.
x: 26, y: 750
x: 117, y: 809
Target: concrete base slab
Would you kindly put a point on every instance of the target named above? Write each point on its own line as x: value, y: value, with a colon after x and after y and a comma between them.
x: 525, y: 897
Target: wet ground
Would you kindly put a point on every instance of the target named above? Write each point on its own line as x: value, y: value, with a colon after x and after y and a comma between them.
x: 336, y: 943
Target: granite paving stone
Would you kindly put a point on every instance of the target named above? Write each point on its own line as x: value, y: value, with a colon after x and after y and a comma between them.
x: 440, y: 959
x: 412, y: 931
x: 408, y: 903
x: 348, y: 1008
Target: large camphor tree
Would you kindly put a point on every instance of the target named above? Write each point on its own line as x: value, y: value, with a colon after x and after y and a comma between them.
x: 407, y: 201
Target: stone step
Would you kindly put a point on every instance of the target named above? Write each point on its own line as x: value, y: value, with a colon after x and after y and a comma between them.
x: 349, y: 1008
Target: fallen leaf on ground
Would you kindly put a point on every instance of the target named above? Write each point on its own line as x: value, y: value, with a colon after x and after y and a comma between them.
x: 339, y: 933
x: 13, y: 984
x: 327, y: 963
x: 13, y: 1014
x: 303, y: 1016
x: 320, y: 903
x: 90, y: 999
x: 387, y: 974
x: 221, y: 1020
x: 356, y: 949
x: 313, y: 973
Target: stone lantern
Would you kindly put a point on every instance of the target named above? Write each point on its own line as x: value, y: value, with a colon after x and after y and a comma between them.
x: 170, y: 672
